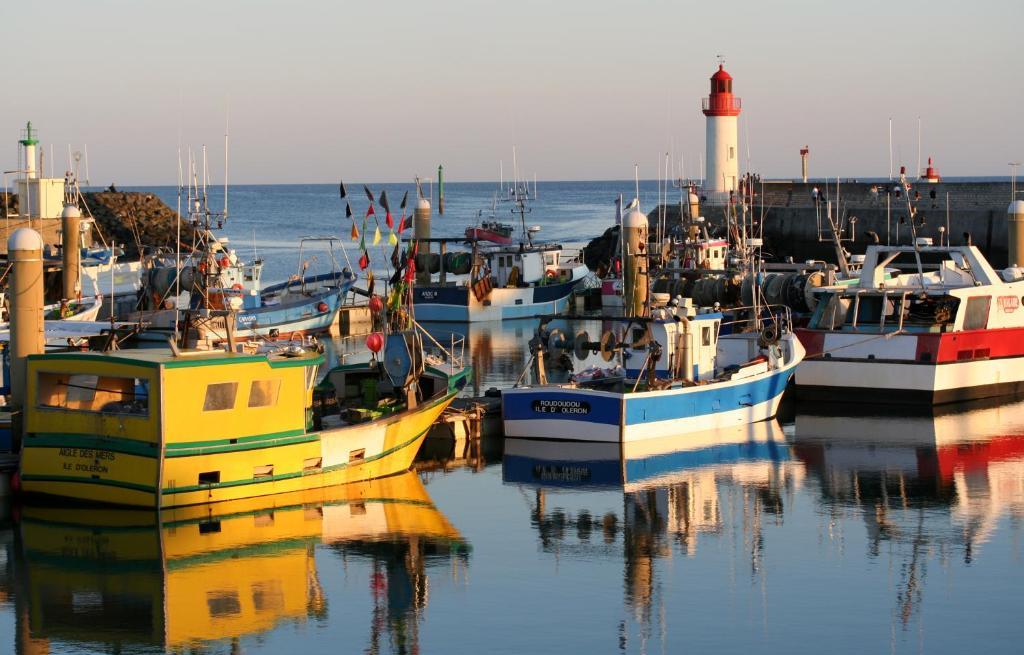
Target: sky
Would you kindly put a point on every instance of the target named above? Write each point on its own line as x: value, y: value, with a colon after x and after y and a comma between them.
x: 584, y: 89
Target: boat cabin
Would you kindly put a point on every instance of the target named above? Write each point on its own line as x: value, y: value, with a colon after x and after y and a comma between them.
x: 936, y: 289
x: 689, y: 346
x: 520, y: 267
x: 129, y: 426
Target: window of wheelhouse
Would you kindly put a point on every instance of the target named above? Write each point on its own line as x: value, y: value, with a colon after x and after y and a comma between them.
x: 976, y: 315
x: 105, y: 394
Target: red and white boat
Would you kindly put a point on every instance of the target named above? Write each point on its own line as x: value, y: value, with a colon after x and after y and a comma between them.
x: 493, y: 231
x: 947, y: 328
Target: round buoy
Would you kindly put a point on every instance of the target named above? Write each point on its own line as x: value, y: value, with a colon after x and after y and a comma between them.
x: 322, y: 307
x: 376, y: 304
x: 375, y: 341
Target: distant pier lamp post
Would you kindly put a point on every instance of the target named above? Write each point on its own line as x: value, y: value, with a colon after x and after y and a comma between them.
x: 805, y: 154
x: 722, y: 110
x: 440, y: 189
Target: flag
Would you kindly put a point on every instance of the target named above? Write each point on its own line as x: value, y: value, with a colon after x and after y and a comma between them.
x: 401, y: 224
x: 376, y: 235
x: 369, y: 194
x: 355, y: 232
x: 369, y: 282
x: 364, y: 261
x: 395, y: 261
x: 341, y: 189
x: 392, y: 239
x: 410, y: 272
x: 387, y: 218
x: 384, y: 201
x: 370, y: 211
x: 404, y: 199
x: 348, y: 210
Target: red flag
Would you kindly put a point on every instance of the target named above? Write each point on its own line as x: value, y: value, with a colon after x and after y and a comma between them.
x: 410, y: 272
x: 364, y: 261
x: 370, y: 212
x: 390, y: 221
x: 401, y: 224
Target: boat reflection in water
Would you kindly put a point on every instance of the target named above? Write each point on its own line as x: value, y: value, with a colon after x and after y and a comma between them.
x: 110, y: 579
x: 649, y: 500
x: 932, y: 485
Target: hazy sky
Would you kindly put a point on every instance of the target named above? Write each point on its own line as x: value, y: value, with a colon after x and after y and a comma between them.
x: 384, y: 90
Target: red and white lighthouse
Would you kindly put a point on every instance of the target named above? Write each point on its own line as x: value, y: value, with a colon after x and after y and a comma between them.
x: 722, y: 110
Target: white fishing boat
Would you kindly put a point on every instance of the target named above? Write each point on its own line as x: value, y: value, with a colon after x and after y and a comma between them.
x: 947, y: 329
x: 676, y: 373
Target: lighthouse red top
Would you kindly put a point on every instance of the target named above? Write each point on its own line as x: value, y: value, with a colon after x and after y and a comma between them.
x: 721, y: 102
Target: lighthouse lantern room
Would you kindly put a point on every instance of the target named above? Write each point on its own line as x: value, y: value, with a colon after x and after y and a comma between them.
x: 722, y: 110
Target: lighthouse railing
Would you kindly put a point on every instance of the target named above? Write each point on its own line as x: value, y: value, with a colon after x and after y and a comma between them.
x: 718, y: 103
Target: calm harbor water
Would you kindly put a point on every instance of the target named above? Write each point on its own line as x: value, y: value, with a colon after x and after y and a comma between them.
x: 828, y: 530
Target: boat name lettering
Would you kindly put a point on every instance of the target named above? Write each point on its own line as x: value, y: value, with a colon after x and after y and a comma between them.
x: 561, y: 407
x: 561, y: 473
x: 244, y: 319
x: 87, y: 453
x: 1009, y: 304
x: 428, y: 294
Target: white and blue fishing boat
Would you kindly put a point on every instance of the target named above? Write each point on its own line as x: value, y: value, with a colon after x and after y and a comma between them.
x: 493, y: 282
x: 669, y: 373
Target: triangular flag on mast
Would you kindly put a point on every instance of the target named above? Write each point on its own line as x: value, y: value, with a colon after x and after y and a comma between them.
x: 355, y: 232
x: 364, y: 261
x: 348, y: 210
x: 384, y: 201
x: 392, y: 239
x: 341, y: 189
x: 369, y: 194
x: 387, y: 219
x: 404, y: 199
x: 376, y: 235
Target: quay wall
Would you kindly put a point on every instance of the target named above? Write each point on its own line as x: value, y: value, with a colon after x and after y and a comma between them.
x: 791, y: 226
x: 127, y: 219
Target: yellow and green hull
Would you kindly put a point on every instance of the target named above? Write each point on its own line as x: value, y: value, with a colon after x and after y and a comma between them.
x: 106, y: 469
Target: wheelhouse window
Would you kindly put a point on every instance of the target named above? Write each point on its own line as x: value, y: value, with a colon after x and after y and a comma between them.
x: 263, y: 393
x: 219, y: 396
x: 976, y: 316
x: 94, y: 393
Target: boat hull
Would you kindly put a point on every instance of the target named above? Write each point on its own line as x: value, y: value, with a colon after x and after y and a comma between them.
x: 111, y: 471
x: 480, y: 234
x: 575, y: 414
x: 458, y: 304
x: 911, y: 368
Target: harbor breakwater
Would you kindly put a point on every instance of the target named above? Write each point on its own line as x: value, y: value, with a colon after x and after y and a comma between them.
x: 128, y: 219
x: 791, y: 210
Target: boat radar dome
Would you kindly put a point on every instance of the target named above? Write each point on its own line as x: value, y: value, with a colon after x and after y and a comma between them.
x: 24, y: 238
x: 635, y: 219
x: 71, y: 211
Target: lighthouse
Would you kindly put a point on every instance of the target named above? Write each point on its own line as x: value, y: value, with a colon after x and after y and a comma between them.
x: 722, y: 110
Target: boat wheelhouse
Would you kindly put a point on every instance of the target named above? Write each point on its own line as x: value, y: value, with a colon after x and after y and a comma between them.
x: 947, y: 328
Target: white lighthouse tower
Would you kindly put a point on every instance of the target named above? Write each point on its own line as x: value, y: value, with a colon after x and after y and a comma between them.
x: 722, y: 110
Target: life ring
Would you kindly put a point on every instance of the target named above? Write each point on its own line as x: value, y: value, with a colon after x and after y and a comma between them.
x: 322, y: 307
x: 551, y: 274
x: 237, y: 286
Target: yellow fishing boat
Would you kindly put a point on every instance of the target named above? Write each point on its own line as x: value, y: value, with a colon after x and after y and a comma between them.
x: 163, y: 429
x: 184, y: 579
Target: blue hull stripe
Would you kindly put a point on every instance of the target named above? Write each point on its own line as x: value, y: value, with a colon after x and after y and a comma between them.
x: 602, y: 409
x: 698, y: 401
